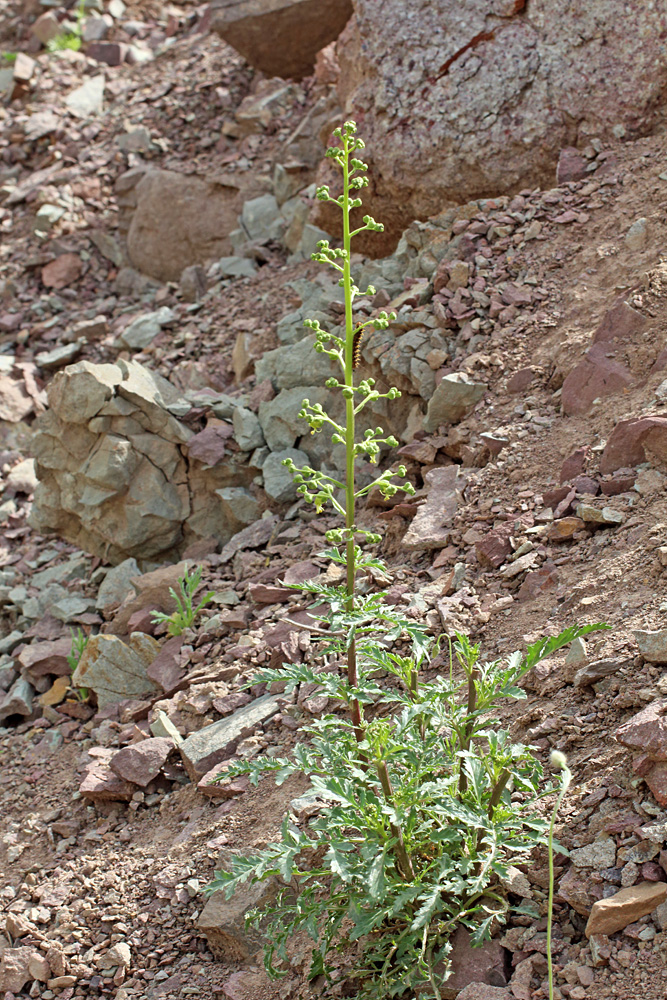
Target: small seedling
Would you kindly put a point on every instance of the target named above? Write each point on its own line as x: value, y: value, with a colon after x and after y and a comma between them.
x: 79, y: 643
x: 9, y: 57
x: 72, y: 40
x: 185, y: 613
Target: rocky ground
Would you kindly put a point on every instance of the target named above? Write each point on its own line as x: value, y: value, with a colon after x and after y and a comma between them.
x: 530, y: 348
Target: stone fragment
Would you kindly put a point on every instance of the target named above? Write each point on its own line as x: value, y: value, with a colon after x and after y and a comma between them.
x: 280, y: 37
x: 600, y: 854
x: 62, y: 271
x: 111, y: 53
x: 122, y: 487
x: 637, y: 235
x: 454, y: 397
x: 252, y: 537
x: 606, y: 517
x: 627, y: 444
x: 46, y: 27
x: 87, y: 100
x: 263, y: 593
x: 100, y: 784
x: 239, y: 506
x: 141, y: 762
x: 116, y: 670
x: 431, y: 526
x: 598, y: 669
x: 179, y: 220
x: 646, y: 731
x: 278, y: 481
x: 613, y: 914
x: 247, y: 429
x: 18, y: 700
x: 209, y: 746
x: 222, y: 921
x: 656, y: 779
x: 572, y: 165
x: 42, y: 658
x: 494, y: 548
x: 652, y: 645
x: 485, y: 964
x: 564, y: 529
x: 17, y: 967
x: 118, y: 956
x: 116, y: 586
x: 144, y: 328
x: 575, y: 888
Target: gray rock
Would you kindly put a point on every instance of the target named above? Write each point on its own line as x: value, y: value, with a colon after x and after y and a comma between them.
x: 296, y: 365
x: 137, y: 140
x: 278, y: 481
x: 247, y: 429
x: 59, y: 356
x: 87, y: 100
x: 652, y: 645
x: 576, y: 654
x: 607, y: 517
x: 18, y: 700
x: 239, y: 506
x: 252, y: 537
x: 637, y: 235
x: 598, y: 669
x: 68, y: 608
x: 96, y: 29
x: 262, y: 219
x: 600, y: 854
x: 235, y: 267
x: 116, y: 670
x: 116, y: 586
x: 8, y: 673
x: 279, y: 417
x: 10, y: 642
x: 122, y: 487
x: 454, y: 397
x: 144, y: 328
x: 204, y: 749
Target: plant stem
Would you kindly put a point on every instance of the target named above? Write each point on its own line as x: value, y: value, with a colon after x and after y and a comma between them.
x: 349, y: 439
x: 566, y: 778
x: 404, y: 862
x: 473, y: 675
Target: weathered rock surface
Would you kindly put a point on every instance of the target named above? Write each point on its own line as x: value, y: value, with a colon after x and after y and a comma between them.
x: 613, y: 914
x: 174, y: 220
x: 479, y: 965
x: 116, y: 670
x: 652, y: 645
x: 141, y: 762
x: 112, y: 462
x: 222, y: 921
x: 646, y: 731
x: 431, y: 526
x: 204, y: 749
x: 100, y: 784
x: 19, y: 966
x: 458, y: 98
x: 630, y: 440
x: 280, y: 37
x: 480, y: 991
x: 454, y: 397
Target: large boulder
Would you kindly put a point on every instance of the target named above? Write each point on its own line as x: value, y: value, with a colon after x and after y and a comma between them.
x: 459, y: 98
x: 175, y: 220
x: 115, y: 474
x: 280, y: 37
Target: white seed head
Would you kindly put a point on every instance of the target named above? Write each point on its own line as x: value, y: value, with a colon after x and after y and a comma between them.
x: 558, y: 760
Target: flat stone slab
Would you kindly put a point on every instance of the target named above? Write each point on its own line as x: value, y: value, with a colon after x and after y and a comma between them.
x: 116, y: 670
x: 627, y: 906
x: 202, y: 750
x: 431, y: 525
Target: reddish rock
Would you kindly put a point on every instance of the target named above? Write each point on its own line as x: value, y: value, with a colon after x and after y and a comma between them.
x: 621, y: 324
x: 571, y: 165
x: 494, y: 548
x: 552, y: 498
x: 111, y: 53
x: 300, y: 572
x: 619, y: 484
x: 575, y: 888
x: 141, y: 762
x: 229, y: 704
x: 262, y: 593
x: 485, y: 965
x: 574, y: 464
x: 62, y: 271
x: 627, y: 443
x: 431, y: 526
x: 100, y: 784
x: 586, y: 486
x: 520, y: 381
x: 566, y: 505
x: 43, y: 658
x: 536, y: 583
x: 210, y: 445
x: 225, y: 788
x: 646, y: 731
x: 168, y: 667
x: 656, y: 779
x: 19, y: 966
x: 651, y: 871
x: 595, y: 376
